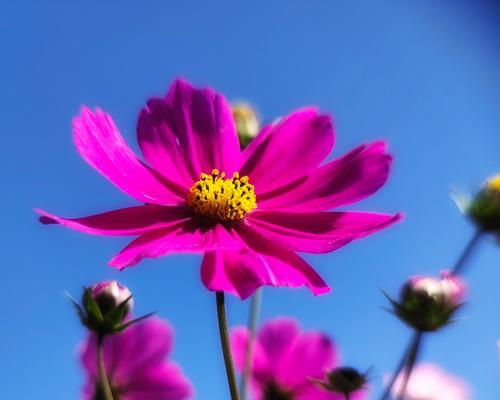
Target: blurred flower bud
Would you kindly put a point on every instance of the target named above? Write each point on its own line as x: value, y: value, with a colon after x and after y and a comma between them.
x: 105, y: 307
x: 484, y: 209
x: 427, y: 303
x: 344, y: 380
x: 109, y: 294
x: 247, y: 122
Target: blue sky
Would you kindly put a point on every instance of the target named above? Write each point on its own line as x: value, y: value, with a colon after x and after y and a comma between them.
x: 424, y: 75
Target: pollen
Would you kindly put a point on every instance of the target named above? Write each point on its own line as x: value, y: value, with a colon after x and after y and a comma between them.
x: 222, y: 199
x: 494, y: 183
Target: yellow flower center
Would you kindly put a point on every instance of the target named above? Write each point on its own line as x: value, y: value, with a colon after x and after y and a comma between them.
x: 494, y: 183
x: 220, y: 198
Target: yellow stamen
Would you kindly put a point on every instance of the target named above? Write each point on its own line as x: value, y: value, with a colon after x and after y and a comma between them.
x: 494, y: 183
x: 222, y: 199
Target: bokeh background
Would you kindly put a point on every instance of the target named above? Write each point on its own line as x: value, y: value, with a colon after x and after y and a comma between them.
x: 423, y: 74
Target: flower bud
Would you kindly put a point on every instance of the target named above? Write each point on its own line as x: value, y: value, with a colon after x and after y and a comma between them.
x: 247, y: 122
x: 344, y: 380
x: 427, y: 303
x: 109, y: 295
x: 104, y: 307
x: 484, y: 209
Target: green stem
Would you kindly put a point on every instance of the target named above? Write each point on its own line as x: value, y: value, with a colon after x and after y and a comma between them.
x: 409, y: 349
x: 459, y: 265
x: 253, y: 319
x: 226, y: 348
x: 410, y: 363
x: 103, y: 376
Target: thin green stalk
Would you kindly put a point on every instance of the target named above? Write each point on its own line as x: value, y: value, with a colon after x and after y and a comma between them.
x: 253, y: 320
x: 226, y: 347
x: 103, y: 376
x: 460, y: 264
x: 409, y: 349
x: 412, y: 359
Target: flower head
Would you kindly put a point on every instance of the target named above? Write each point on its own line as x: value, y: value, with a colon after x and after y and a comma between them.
x: 430, y: 382
x: 249, y: 212
x: 136, y: 364
x: 427, y: 303
x: 287, y: 363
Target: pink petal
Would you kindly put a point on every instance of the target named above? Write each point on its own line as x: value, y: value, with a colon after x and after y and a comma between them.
x: 189, y: 132
x: 288, y: 150
x: 187, y: 237
x: 259, y: 263
x: 319, y: 232
x: 343, y: 181
x: 101, y: 145
x: 135, y: 362
x: 275, y: 338
x: 239, y: 343
x: 162, y: 382
x: 140, y: 346
x: 271, y: 344
x: 312, y: 354
x: 123, y: 222
x: 286, y: 356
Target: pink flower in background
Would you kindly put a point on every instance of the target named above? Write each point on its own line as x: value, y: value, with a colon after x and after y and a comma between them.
x: 285, y: 361
x: 430, y: 382
x: 136, y: 363
x: 248, y: 211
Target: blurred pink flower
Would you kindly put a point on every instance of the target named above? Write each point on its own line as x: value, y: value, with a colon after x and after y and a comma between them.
x: 248, y: 211
x: 136, y: 363
x: 430, y: 382
x: 285, y: 361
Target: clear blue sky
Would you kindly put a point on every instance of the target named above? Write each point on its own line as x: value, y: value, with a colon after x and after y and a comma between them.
x: 423, y: 74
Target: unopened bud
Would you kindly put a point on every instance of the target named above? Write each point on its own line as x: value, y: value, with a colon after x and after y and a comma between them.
x: 247, y: 122
x: 109, y: 295
x: 344, y: 380
x: 484, y: 209
x: 427, y: 303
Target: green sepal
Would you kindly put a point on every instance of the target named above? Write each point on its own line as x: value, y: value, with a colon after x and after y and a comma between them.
x: 423, y: 313
x: 125, y: 325
x: 91, y: 306
x: 116, y: 315
x: 78, y: 308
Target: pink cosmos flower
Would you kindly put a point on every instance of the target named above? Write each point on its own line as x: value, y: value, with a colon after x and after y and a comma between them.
x: 248, y: 211
x: 431, y: 382
x: 135, y: 361
x: 286, y: 361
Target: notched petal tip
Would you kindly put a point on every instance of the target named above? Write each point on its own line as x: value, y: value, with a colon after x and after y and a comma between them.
x: 45, y: 218
x: 319, y: 291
